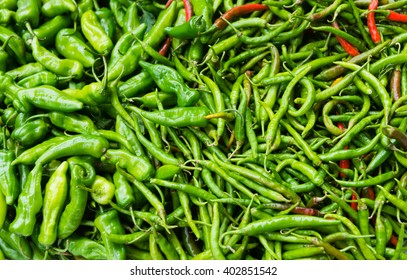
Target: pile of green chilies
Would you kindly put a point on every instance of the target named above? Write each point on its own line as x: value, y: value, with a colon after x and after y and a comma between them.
x: 196, y: 130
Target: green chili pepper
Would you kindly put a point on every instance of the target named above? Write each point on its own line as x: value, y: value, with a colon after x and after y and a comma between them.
x: 131, y: 19
x: 94, y: 146
x: 17, y: 242
x: 15, y: 43
x: 29, y: 156
x: 29, y: 204
x: 9, y: 184
x: 47, y: 31
x: 73, y: 122
x: 95, y: 34
x: 3, y: 209
x: 62, y: 67
x: 55, y: 195
x: 71, y: 44
x: 139, y: 167
x: 108, y: 223
x: 123, y: 44
x: 169, y: 80
x: 30, y: 133
x: 280, y: 222
x: 81, y: 246
x: 101, y: 190
x: 178, y: 117
x: 28, y: 12
x: 53, y: 8
x: 188, y: 30
x: 124, y: 193
x: 25, y: 70
x: 82, y: 173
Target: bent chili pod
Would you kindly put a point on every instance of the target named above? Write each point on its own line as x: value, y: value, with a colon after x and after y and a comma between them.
x: 169, y: 80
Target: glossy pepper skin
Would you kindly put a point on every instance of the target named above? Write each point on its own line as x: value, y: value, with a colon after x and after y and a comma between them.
x: 124, y: 192
x: 17, y: 242
x: 3, y: 209
x: 169, y: 80
x: 53, y: 8
x: 139, y: 167
x: 28, y: 12
x: 107, y: 21
x: 48, y: 98
x: 82, y: 173
x: 30, y: 133
x: 39, y: 79
x: 71, y: 44
x: 73, y: 122
x: 81, y: 246
x: 55, y: 195
x: 92, y: 94
x: 44, y: 97
x: 188, y: 30
x: 62, y: 67
x: 15, y: 43
x: 9, y: 185
x: 95, y: 34
x: 179, y: 116
x: 91, y: 145
x: 48, y: 30
x: 102, y: 190
x: 29, y: 204
x: 108, y: 223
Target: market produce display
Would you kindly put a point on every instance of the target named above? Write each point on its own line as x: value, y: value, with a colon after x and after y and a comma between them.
x: 198, y: 130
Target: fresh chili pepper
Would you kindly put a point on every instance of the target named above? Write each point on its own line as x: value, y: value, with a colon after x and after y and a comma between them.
x: 56, y: 191
x: 165, y: 47
x: 101, y: 190
x: 28, y: 12
x: 345, y: 44
x: 170, y: 81
x: 52, y: 8
x: 371, y: 21
x: 82, y: 173
x: 188, y: 30
x: 15, y: 43
x: 62, y: 67
x: 9, y: 184
x: 235, y: 12
x: 70, y: 44
x: 140, y: 168
x: 91, y: 145
x: 31, y: 132
x: 108, y: 223
x: 25, y: 218
x: 106, y: 19
x: 95, y: 34
x: 81, y: 246
x: 3, y: 209
x: 17, y: 242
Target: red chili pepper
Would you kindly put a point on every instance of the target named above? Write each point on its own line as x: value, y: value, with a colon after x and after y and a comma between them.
x: 368, y: 192
x: 371, y: 22
x: 394, y: 16
x: 237, y: 11
x: 168, y: 3
x: 395, y: 84
x: 165, y: 47
x: 306, y: 211
x: 187, y: 6
x: 344, y: 163
x: 348, y: 47
x: 393, y: 240
x: 188, y: 9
